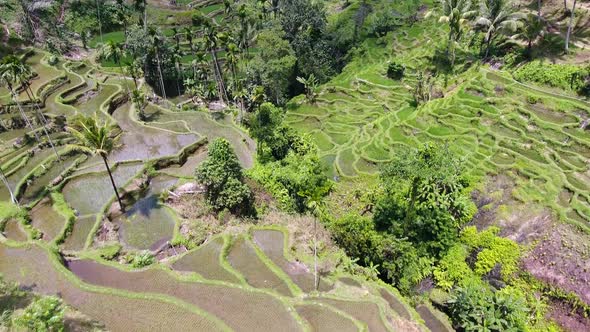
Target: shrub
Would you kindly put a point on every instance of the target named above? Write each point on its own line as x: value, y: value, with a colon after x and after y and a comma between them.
x: 395, y: 70
x: 142, y: 259
x: 495, y: 250
x: 43, y: 314
x: 476, y: 307
x: 452, y: 268
x: 222, y: 175
x: 564, y: 76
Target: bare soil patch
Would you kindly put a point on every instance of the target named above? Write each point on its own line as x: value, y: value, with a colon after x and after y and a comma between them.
x: 562, y: 258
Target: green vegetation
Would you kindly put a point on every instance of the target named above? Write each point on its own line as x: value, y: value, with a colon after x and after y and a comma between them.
x: 362, y: 155
x: 221, y: 174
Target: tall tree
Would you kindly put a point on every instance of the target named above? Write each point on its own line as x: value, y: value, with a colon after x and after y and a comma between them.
x: 156, y: 44
x: 570, y: 26
x: 24, y: 77
x: 188, y: 34
x: 455, y: 14
x: 141, y: 8
x: 96, y: 138
x: 133, y: 69
x: 497, y: 17
x: 10, y: 70
x: 140, y: 102
x: 532, y: 29
x: 115, y: 52
x: 4, y: 180
x: 212, y: 43
x: 99, y: 18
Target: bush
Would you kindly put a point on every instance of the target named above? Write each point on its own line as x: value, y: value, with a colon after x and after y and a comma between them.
x: 221, y: 173
x: 142, y: 259
x: 43, y: 314
x: 564, y: 76
x: 395, y: 70
x: 476, y: 307
x: 494, y: 250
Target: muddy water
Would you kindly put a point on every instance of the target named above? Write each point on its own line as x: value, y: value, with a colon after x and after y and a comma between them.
x: 243, y: 258
x: 13, y: 230
x: 147, y: 224
x: 323, y: 319
x: 240, y: 309
x: 33, y: 269
x: 141, y: 142
x: 395, y: 304
x: 431, y: 321
x: 272, y: 244
x: 88, y: 194
x: 46, y: 219
x: 38, y: 185
x: 82, y: 228
x: 205, y: 261
x: 367, y: 312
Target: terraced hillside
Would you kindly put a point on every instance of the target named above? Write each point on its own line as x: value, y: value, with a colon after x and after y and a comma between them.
x: 243, y: 281
x: 213, y: 288
x: 497, y: 124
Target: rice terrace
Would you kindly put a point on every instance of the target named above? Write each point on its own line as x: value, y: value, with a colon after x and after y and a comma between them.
x: 294, y: 165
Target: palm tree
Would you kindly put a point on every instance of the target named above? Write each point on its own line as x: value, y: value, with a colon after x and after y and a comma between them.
x: 176, y: 36
x: 532, y: 29
x: 231, y: 60
x: 115, y: 52
x: 122, y: 14
x: 10, y: 71
x: 24, y: 77
x: 212, y: 40
x: 7, y: 184
x: 133, y: 69
x: 140, y: 102
x: 156, y: 41
x: 188, y: 34
x: 455, y: 13
x: 141, y: 7
x: 99, y: 19
x: 497, y: 17
x: 569, y: 27
x: 95, y: 138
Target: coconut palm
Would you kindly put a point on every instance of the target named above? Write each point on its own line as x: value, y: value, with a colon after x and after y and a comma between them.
x: 122, y: 14
x: 115, y: 52
x: 231, y: 60
x: 570, y: 26
x: 140, y: 102
x: 497, y: 17
x: 96, y: 138
x: 24, y: 77
x: 99, y: 19
x: 134, y: 70
x: 10, y: 71
x: 188, y: 34
x: 7, y: 184
x: 212, y: 40
x: 455, y: 14
x: 141, y: 7
x: 532, y: 29
x: 156, y: 44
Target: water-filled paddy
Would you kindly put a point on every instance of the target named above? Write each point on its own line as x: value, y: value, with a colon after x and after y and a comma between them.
x: 243, y: 258
x: 271, y: 242
x: 89, y: 193
x: 206, y: 261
